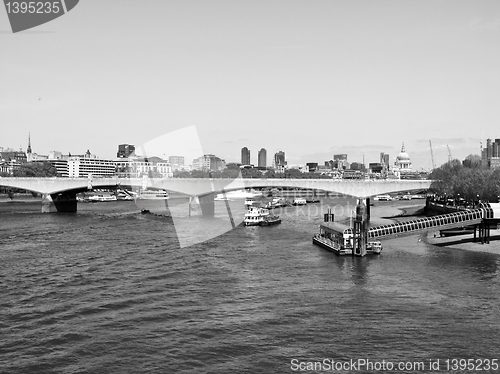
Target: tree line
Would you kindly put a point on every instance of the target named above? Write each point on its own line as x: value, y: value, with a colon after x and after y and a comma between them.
x: 33, y: 170
x: 248, y: 173
x: 468, y: 180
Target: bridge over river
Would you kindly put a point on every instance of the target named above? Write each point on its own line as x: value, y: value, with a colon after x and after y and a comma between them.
x: 59, y: 194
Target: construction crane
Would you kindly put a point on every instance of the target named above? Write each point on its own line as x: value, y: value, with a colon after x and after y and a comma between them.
x: 432, y: 156
x: 449, y: 153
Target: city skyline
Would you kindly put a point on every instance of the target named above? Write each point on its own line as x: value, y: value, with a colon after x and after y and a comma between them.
x: 142, y: 152
x: 336, y: 77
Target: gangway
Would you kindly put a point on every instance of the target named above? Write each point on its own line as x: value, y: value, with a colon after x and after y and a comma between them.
x: 441, y: 222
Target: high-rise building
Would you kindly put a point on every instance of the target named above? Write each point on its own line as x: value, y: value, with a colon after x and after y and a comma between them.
x: 490, y: 156
x: 245, y: 156
x: 125, y: 150
x: 262, y: 158
x: 279, y: 159
x: 384, y: 159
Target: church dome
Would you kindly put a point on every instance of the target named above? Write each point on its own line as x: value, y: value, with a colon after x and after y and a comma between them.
x: 403, y: 156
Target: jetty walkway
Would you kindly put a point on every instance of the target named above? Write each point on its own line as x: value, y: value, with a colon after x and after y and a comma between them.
x: 483, y: 218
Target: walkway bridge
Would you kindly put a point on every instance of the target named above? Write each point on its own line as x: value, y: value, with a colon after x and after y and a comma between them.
x: 483, y: 217
x: 60, y: 193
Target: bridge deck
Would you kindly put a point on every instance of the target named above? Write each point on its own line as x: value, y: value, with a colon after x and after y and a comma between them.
x: 440, y: 222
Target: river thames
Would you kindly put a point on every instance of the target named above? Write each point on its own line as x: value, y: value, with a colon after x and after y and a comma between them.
x: 110, y: 290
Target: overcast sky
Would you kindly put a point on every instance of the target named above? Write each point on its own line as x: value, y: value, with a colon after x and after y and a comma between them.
x: 311, y: 78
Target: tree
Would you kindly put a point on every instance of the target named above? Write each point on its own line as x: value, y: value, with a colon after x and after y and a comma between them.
x: 35, y: 170
x: 468, y: 180
x: 472, y: 161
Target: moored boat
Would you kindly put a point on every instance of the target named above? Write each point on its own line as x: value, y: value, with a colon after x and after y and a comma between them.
x: 299, y: 201
x: 383, y: 198
x: 278, y: 202
x: 125, y: 195
x: 339, y: 239
x: 222, y: 197
x: 242, y: 194
x: 249, y: 201
x: 101, y: 198
x: 270, y: 220
x: 312, y: 200
x: 152, y: 195
x: 255, y: 216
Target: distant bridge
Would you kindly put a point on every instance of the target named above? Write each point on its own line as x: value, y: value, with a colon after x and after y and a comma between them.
x: 62, y: 191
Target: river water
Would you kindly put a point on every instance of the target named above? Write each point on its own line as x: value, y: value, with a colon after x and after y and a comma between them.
x: 110, y: 290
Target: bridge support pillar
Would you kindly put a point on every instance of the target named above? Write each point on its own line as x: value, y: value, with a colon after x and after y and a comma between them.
x: 202, y: 205
x: 368, y: 213
x: 360, y: 229
x: 48, y: 205
x: 59, y: 202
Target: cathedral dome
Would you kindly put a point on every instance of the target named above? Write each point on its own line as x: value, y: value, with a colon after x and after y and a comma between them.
x: 403, y: 156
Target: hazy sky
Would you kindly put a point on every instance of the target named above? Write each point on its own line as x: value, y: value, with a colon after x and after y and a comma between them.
x: 311, y: 78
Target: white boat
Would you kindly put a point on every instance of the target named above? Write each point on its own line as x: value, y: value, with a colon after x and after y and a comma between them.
x: 222, y: 197
x: 125, y: 195
x: 255, y: 216
x: 152, y: 195
x: 279, y: 202
x: 249, y: 201
x: 299, y: 201
x: 383, y: 198
x: 101, y: 198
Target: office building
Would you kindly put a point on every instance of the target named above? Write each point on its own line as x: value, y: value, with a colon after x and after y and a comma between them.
x: 262, y: 161
x: 177, y: 162
x: 490, y: 156
x: 384, y: 160
x: 209, y: 162
x: 125, y: 150
x: 279, y: 159
x: 245, y: 156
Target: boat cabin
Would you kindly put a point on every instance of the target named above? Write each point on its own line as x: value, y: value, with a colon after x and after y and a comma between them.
x: 339, y: 238
x: 335, y: 237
